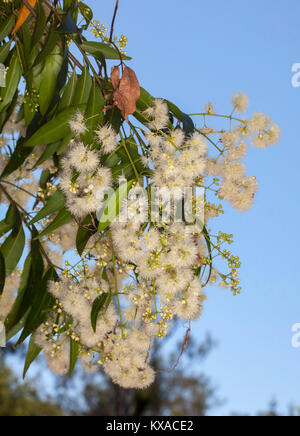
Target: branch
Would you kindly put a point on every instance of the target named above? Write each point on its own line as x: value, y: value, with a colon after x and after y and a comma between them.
x: 113, y: 22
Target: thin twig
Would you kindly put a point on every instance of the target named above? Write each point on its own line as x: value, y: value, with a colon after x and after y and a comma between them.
x: 113, y: 22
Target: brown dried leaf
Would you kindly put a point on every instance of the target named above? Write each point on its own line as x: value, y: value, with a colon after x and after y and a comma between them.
x: 115, y: 76
x: 127, y: 93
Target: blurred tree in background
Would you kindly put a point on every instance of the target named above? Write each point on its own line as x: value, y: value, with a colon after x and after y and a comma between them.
x: 174, y: 393
x: 22, y: 399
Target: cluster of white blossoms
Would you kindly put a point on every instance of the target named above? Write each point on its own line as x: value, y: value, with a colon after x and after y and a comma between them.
x: 83, y: 180
x: 145, y: 272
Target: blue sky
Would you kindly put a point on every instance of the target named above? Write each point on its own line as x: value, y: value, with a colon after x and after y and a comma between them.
x: 195, y: 52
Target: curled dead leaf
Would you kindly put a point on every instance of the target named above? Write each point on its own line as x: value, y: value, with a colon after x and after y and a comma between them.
x: 126, y: 91
x: 115, y: 76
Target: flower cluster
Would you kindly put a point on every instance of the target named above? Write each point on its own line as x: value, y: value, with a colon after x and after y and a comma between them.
x: 144, y: 272
x: 83, y: 180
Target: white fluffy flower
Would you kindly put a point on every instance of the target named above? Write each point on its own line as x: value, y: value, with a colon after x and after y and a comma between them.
x: 77, y: 124
x: 107, y: 138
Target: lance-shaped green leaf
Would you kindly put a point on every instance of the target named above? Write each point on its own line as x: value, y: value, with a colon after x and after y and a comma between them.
x: 112, y: 206
x: 84, y: 235
x: 29, y: 288
x: 202, y: 229
x: 32, y: 353
x: 67, y: 98
x: 145, y: 100
x: 187, y: 124
x: 16, y: 328
x: 50, y: 74
x: 12, y: 248
x: 4, y: 228
x: 55, y: 203
x: 16, y: 315
x: 41, y: 305
x: 4, y: 51
x: 17, y: 159
x: 26, y: 43
x: 50, y: 43
x: 7, y: 27
x: 74, y: 352
x: 175, y: 110
x: 97, y: 306
x: 54, y: 130
x: 94, y: 114
x: 9, y: 220
x: 65, y: 142
x: 2, y: 273
x: 100, y: 50
x: 40, y: 25
x: 86, y: 12
x: 13, y: 77
x: 49, y: 151
x: 63, y: 218
x: 83, y: 88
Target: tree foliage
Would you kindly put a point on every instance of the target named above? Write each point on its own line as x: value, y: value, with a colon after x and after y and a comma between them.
x: 73, y: 163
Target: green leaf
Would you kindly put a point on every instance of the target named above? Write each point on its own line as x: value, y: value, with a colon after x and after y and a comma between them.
x: 41, y: 305
x: 49, y: 151
x: 2, y: 273
x: 74, y: 352
x: 32, y: 353
x: 68, y: 94
x: 9, y: 221
x: 175, y: 110
x: 16, y: 314
x: 113, y: 205
x: 12, y: 248
x: 100, y: 50
x: 64, y: 143
x: 12, y: 81
x: 4, y: 51
x: 4, y: 228
x: 50, y: 74
x: 44, y: 178
x: 54, y: 130
x: 97, y: 306
x: 84, y: 235
x: 39, y: 26
x: 64, y: 217
x: 7, y: 27
x: 114, y: 118
x: 26, y: 36
x: 203, y: 230
x: 187, y: 124
x: 36, y: 265
x: 55, y: 203
x: 48, y: 47
x: 145, y: 100
x: 86, y: 12
x: 17, y: 159
x: 16, y: 328
x: 83, y: 88
x: 94, y: 114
